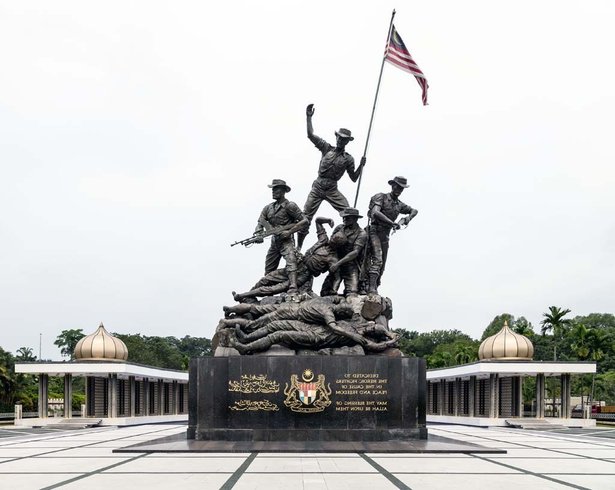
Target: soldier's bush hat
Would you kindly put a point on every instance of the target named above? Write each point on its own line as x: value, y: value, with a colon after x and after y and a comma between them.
x: 344, y: 133
x: 279, y: 183
x: 350, y: 212
x: 399, y: 180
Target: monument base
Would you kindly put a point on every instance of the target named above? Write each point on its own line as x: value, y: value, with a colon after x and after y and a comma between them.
x: 307, y: 398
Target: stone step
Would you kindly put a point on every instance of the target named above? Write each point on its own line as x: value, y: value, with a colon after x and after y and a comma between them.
x: 76, y: 423
x: 533, y: 424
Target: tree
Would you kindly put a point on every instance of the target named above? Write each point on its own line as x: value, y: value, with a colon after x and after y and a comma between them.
x: 161, y: 352
x: 496, y: 325
x: 25, y: 354
x: 67, y: 341
x: 465, y: 352
x: 191, y: 347
x: 7, y: 380
x: 523, y: 327
x: 605, y: 323
x: 440, y: 359
x: 405, y: 340
x: 580, y: 337
x: 555, y: 322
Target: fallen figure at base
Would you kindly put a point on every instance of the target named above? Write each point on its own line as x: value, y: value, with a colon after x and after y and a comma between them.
x: 296, y: 334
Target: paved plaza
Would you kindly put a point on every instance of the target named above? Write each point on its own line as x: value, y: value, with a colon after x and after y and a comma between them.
x: 36, y: 459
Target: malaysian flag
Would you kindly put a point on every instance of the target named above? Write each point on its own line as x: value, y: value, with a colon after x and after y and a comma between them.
x: 398, y: 55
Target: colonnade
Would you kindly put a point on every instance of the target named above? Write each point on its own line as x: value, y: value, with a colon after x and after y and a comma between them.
x: 112, y: 397
x: 494, y: 396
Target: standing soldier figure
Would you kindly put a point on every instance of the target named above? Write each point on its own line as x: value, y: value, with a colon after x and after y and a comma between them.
x: 333, y: 164
x: 383, y: 211
x: 287, y: 216
x: 348, y: 240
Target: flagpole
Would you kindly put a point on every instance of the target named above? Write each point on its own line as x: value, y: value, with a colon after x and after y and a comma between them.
x: 371, y: 119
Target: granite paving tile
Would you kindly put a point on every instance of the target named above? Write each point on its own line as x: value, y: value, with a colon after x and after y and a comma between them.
x: 32, y: 481
x: 440, y: 465
x: 474, y: 482
x: 561, y: 465
x: 178, y: 465
x: 185, y: 481
x: 56, y: 465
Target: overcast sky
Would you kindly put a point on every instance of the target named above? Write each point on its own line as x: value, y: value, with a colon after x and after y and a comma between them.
x: 137, y: 140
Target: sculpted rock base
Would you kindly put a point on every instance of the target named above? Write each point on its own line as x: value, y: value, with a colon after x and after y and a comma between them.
x: 306, y: 324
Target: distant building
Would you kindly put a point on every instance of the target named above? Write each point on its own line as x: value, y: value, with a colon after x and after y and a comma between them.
x: 116, y: 391
x: 489, y: 392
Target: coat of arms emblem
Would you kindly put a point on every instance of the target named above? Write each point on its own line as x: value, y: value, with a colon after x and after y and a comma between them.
x: 307, y: 395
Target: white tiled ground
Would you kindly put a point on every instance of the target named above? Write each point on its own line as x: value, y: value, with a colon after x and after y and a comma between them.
x: 85, y: 459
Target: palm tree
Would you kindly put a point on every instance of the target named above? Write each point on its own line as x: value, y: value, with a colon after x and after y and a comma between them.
x: 440, y: 360
x: 524, y: 329
x: 580, y: 336
x: 25, y: 354
x: 555, y: 322
x: 465, y: 353
x: 7, y: 378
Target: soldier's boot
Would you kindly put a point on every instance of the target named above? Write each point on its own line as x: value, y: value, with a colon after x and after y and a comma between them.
x: 292, y: 283
x: 249, y: 337
x: 256, y: 346
x: 373, y: 283
x: 301, y: 238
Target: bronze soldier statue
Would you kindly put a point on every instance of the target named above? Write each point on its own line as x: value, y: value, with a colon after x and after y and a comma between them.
x: 333, y: 164
x: 383, y: 211
x: 348, y: 240
x: 258, y: 310
x: 320, y: 311
x: 286, y: 218
x: 317, y: 259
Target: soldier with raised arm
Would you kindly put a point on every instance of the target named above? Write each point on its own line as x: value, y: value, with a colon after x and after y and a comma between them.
x: 286, y: 216
x: 333, y: 164
x: 383, y: 211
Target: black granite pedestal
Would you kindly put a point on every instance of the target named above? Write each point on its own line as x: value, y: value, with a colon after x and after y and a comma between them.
x: 307, y: 398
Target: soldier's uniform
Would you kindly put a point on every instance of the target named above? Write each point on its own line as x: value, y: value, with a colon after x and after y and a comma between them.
x: 317, y: 260
x: 280, y: 214
x: 315, y: 311
x: 379, y: 231
x: 332, y: 166
x: 346, y: 240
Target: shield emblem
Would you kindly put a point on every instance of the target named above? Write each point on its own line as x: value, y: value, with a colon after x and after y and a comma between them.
x: 308, y: 392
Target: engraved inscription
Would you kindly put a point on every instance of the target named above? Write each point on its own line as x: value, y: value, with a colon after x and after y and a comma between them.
x: 254, y: 383
x: 367, y: 391
x: 254, y: 405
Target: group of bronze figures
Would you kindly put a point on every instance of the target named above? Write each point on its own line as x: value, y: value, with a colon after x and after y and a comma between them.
x: 352, y: 255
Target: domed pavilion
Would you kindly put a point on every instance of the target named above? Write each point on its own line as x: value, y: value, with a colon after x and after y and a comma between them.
x: 490, y: 391
x: 117, y: 392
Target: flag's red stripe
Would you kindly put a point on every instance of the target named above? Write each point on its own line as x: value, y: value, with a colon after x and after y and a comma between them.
x: 405, y: 66
x: 397, y: 54
x: 402, y: 54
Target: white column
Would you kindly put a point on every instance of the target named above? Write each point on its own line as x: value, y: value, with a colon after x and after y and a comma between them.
x: 43, y: 395
x: 540, y: 396
x: 133, y: 395
x: 493, y: 396
x: 112, y: 396
x: 68, y: 396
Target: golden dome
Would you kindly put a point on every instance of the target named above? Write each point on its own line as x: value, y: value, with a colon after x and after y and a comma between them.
x: 101, y: 346
x: 506, y: 345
